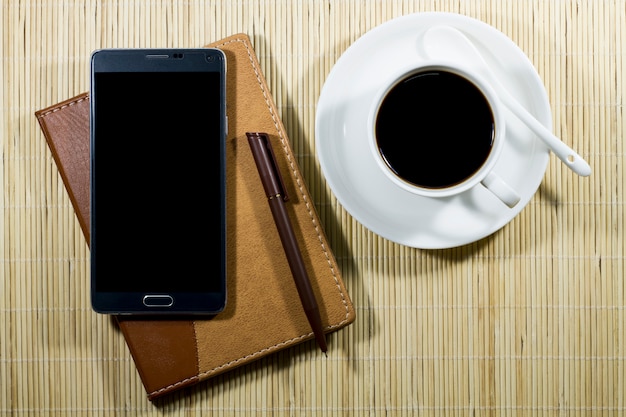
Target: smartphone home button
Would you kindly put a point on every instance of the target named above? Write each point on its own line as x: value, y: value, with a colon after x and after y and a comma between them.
x: 158, y: 301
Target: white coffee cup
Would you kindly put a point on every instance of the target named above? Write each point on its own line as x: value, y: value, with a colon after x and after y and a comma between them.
x: 437, y: 129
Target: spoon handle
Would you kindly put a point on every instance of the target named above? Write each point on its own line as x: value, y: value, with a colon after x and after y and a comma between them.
x: 440, y: 39
x: 566, y: 154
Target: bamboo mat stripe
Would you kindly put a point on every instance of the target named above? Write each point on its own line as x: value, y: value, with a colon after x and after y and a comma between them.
x: 528, y: 321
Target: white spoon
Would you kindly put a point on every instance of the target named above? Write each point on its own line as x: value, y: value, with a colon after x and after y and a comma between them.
x: 442, y: 41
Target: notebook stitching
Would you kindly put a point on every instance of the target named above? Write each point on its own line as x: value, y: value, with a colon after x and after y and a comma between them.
x: 228, y: 364
x: 316, y: 226
x: 56, y: 109
x: 298, y: 179
x: 295, y: 172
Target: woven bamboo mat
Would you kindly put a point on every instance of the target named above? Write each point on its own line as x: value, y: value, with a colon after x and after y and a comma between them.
x: 528, y: 321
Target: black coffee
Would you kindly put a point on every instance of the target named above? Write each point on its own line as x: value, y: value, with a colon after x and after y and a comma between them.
x: 434, y: 129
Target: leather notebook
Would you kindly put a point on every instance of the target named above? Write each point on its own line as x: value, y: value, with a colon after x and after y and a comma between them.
x: 263, y: 313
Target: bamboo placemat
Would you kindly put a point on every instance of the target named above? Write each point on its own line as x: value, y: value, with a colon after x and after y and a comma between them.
x: 528, y: 321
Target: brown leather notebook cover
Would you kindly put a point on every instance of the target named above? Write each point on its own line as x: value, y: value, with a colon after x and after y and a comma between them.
x: 263, y: 314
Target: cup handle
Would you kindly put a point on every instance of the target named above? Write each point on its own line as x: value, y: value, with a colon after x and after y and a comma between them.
x: 501, y: 189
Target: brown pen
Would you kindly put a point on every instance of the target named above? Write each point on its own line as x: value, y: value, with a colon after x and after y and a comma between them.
x: 276, y: 194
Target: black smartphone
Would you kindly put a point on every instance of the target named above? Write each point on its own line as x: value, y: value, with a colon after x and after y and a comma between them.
x: 158, y: 181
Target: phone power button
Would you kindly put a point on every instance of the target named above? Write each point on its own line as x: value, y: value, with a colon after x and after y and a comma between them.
x: 158, y: 301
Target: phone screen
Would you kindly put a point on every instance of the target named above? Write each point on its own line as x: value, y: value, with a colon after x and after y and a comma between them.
x: 158, y: 181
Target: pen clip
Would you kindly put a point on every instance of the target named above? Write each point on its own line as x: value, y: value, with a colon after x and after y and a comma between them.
x: 265, y: 141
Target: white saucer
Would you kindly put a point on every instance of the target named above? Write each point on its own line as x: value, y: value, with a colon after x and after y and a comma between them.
x: 366, y: 192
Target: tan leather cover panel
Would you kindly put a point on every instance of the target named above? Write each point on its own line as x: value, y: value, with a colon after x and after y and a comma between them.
x: 263, y: 312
